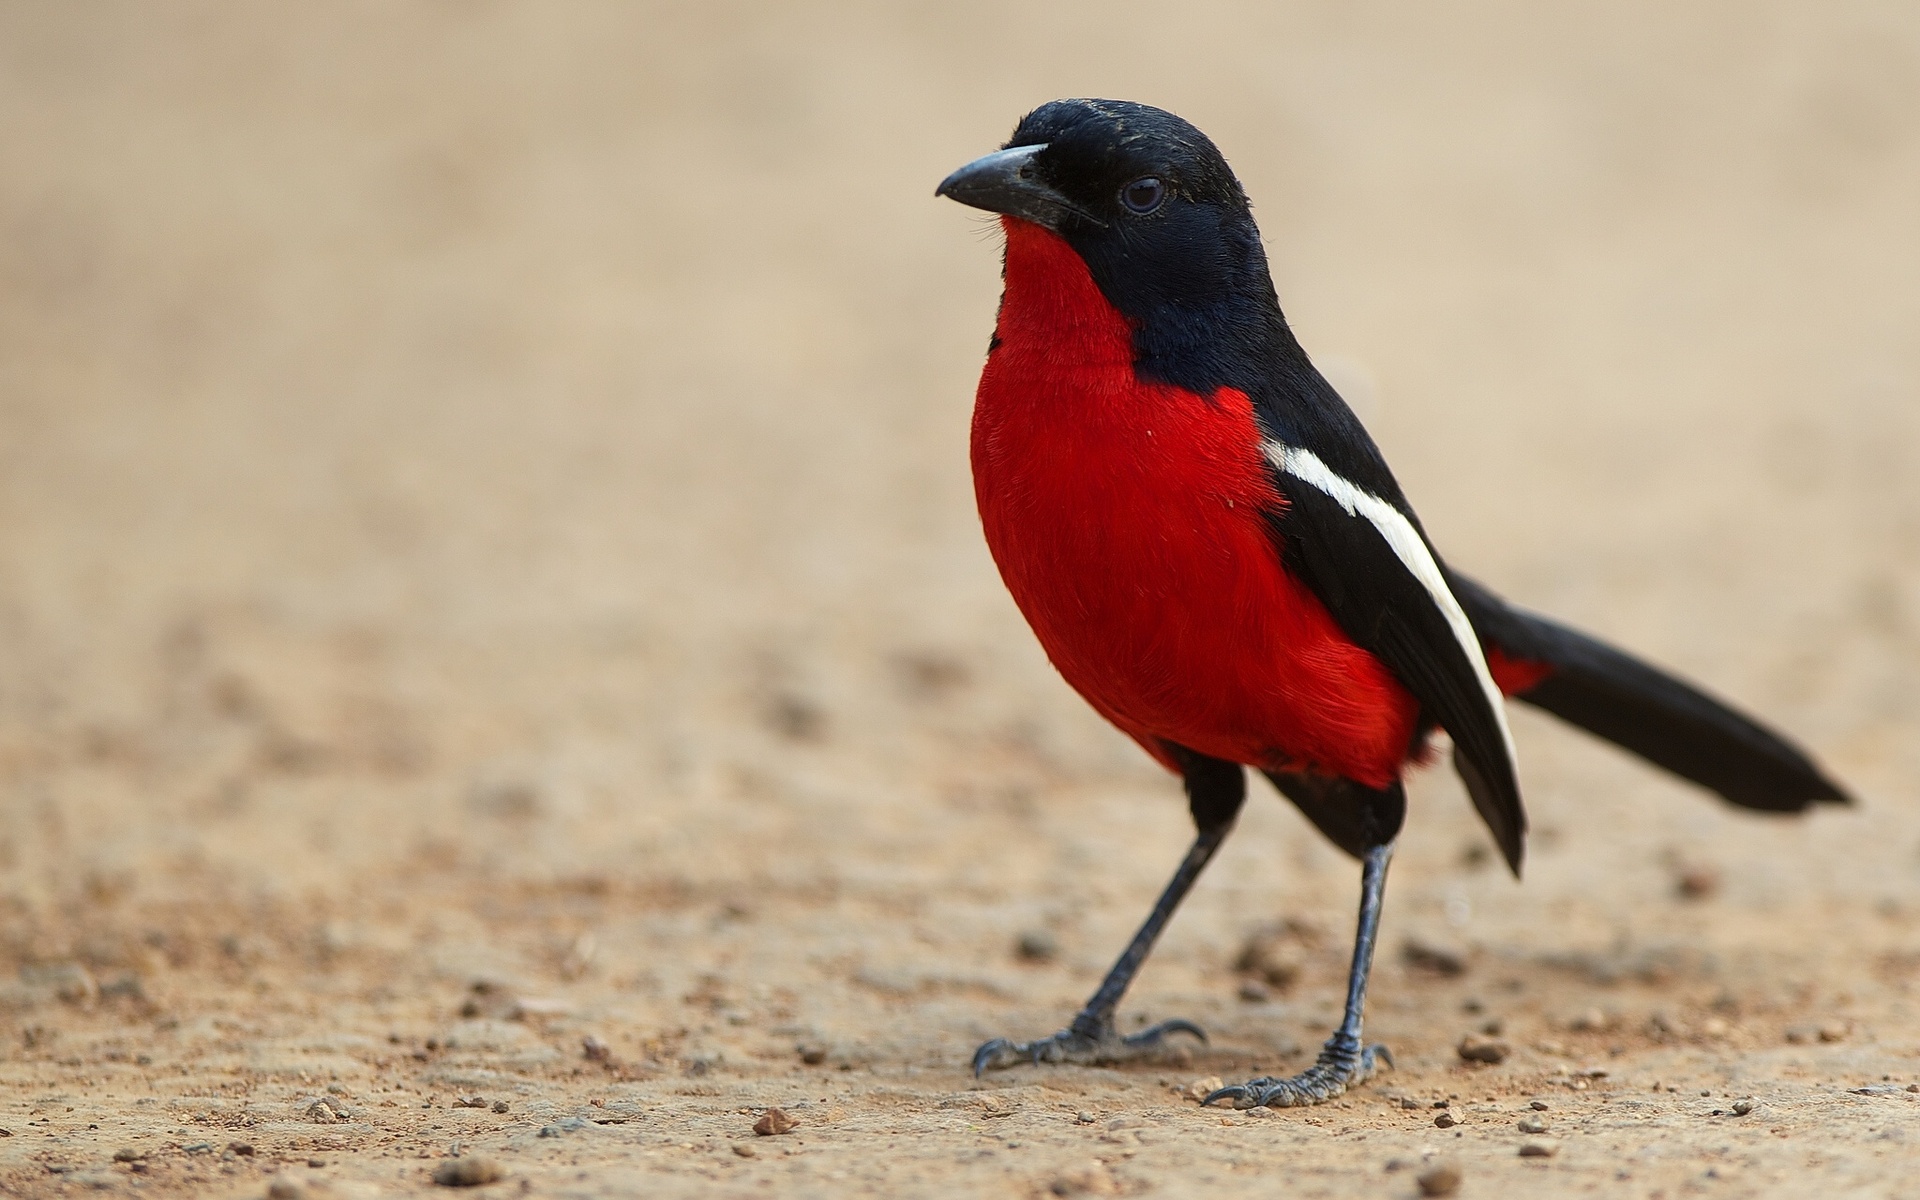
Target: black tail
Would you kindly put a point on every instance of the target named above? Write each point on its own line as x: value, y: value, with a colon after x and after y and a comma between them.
x: 1643, y: 709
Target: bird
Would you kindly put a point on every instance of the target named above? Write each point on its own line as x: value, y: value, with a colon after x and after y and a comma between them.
x: 1213, y: 553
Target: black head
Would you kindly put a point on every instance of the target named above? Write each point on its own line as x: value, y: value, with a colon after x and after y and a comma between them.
x: 1145, y: 198
x: 1154, y: 211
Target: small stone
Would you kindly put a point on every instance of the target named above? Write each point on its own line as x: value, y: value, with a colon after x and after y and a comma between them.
x: 811, y: 1053
x: 1445, y: 1120
x: 243, y: 1149
x: 1408, y: 1102
x: 1539, y: 1148
x: 468, y: 1172
x: 131, y: 1155
x: 1276, y: 954
x: 470, y: 1102
x: 1255, y: 992
x: 1743, y: 1106
x: 316, y: 1163
x: 1531, y: 1124
x: 774, y: 1122
x: 326, y: 1111
x: 1085, y: 1118
x: 1833, y: 1031
x: 1476, y: 1048
x: 1433, y: 958
x: 1697, y: 882
x: 1538, y: 1105
x: 1198, y: 1090
x: 1258, y: 1110
x: 1593, y: 1020
x: 744, y: 1149
x: 1094, y: 1179
x: 595, y: 1049
x: 501, y: 1106
x: 1440, y: 1179
x: 283, y: 1188
x: 1037, y: 946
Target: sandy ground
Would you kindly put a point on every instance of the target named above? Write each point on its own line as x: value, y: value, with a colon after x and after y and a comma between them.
x: 488, y: 564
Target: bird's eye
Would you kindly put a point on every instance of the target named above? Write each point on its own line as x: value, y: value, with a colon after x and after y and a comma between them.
x: 1143, y: 195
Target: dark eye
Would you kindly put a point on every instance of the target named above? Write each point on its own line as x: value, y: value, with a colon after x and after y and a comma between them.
x: 1143, y: 195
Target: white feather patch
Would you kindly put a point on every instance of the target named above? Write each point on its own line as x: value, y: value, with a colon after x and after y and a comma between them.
x: 1410, y: 548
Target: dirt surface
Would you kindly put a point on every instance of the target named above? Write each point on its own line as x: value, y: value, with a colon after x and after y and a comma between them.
x: 490, y: 602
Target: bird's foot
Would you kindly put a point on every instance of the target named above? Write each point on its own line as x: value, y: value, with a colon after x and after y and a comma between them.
x: 1085, y: 1042
x: 1343, y: 1063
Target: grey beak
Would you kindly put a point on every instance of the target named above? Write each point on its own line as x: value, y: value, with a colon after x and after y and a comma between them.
x: 1006, y: 181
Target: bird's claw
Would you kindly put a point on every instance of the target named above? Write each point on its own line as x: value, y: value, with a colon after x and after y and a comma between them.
x: 1343, y: 1063
x: 1084, y: 1043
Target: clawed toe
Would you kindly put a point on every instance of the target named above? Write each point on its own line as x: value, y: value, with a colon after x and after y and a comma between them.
x: 1087, y: 1046
x: 1342, y: 1064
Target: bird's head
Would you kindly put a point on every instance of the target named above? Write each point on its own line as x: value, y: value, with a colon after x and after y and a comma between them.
x: 1144, y: 198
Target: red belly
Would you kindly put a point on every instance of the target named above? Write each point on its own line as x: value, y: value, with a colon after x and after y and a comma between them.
x: 1126, y: 519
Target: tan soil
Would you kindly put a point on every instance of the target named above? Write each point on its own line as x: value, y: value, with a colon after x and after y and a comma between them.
x: 488, y: 564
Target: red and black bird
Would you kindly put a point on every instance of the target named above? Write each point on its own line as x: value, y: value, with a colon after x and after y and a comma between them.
x: 1214, y: 554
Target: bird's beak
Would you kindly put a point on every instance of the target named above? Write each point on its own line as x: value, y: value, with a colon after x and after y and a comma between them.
x: 1006, y: 181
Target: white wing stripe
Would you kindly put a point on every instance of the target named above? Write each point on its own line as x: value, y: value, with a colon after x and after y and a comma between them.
x: 1412, y: 551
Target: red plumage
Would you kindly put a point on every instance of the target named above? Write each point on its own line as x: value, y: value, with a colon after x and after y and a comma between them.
x: 1127, y: 519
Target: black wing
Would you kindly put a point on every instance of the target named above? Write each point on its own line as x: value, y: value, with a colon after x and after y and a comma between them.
x: 1367, y: 560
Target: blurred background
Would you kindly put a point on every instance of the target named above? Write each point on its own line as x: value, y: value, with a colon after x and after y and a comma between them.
x: 461, y: 442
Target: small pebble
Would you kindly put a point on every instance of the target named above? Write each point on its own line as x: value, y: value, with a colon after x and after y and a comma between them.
x: 1276, y: 954
x: 316, y: 1163
x: 811, y: 1053
x: 1538, y: 1106
x: 1254, y: 992
x: 1696, y: 882
x: 468, y: 1172
x: 1085, y: 1118
x: 1037, y: 946
x: 1742, y: 1107
x: 131, y: 1155
x: 1539, y: 1148
x: 1532, y: 1124
x: 1445, y: 1121
x: 283, y: 1188
x: 773, y: 1122
x: 1440, y: 1179
x: 595, y: 1049
x: 1475, y: 1048
x: 241, y: 1148
x: 1430, y: 956
x: 501, y: 1106
x: 744, y: 1149
x: 1200, y: 1089
x: 1593, y: 1020
x: 1409, y: 1102
x: 470, y: 1102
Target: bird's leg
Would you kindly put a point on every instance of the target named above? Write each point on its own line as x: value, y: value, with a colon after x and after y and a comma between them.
x: 1215, y: 791
x: 1344, y: 1062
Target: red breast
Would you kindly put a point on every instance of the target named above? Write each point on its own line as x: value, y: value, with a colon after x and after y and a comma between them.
x: 1127, y: 518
